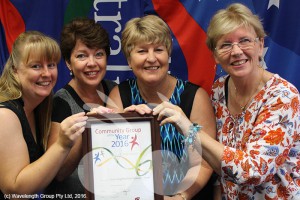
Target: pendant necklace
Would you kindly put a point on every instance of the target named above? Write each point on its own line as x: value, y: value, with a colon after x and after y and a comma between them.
x: 243, y: 107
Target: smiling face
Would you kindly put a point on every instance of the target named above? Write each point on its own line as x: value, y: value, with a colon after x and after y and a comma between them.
x: 37, y: 78
x: 149, y: 62
x: 240, y: 62
x: 88, y: 65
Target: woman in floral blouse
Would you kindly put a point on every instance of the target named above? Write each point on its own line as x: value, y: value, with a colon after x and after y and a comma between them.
x: 257, y: 152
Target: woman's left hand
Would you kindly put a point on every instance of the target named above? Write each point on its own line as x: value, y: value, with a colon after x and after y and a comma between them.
x: 169, y: 113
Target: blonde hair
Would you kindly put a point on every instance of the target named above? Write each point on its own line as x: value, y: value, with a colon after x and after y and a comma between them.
x: 227, y: 20
x: 149, y: 29
x: 30, y: 44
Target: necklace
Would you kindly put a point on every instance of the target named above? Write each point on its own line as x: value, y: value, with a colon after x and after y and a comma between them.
x: 243, y: 107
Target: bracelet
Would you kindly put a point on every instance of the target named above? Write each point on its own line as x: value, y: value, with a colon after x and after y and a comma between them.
x: 182, y: 196
x: 192, y: 134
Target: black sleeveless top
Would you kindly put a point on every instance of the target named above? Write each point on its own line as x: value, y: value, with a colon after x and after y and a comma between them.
x: 187, y: 96
x: 35, y: 149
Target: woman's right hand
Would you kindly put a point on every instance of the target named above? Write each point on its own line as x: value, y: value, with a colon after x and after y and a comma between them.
x: 71, y: 128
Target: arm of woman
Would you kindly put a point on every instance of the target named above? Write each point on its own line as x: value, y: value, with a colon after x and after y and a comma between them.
x: 62, y: 110
x: 202, y: 113
x: 211, y: 149
x: 72, y: 160
x: 18, y: 175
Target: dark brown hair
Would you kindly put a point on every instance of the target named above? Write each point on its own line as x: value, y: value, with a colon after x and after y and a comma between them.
x: 91, y: 33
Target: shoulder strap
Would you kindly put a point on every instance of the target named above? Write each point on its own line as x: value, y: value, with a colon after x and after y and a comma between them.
x: 187, y: 98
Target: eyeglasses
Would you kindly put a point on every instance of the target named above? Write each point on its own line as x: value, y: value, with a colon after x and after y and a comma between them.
x: 243, y: 44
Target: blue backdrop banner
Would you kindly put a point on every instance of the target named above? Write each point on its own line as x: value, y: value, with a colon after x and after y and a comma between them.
x: 187, y: 19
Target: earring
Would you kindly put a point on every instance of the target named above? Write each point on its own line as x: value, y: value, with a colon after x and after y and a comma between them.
x: 71, y: 73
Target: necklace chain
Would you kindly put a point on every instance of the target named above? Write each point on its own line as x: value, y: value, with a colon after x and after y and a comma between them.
x: 243, y: 108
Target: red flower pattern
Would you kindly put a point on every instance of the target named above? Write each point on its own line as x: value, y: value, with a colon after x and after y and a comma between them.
x: 262, y: 144
x: 274, y: 136
x: 295, y: 105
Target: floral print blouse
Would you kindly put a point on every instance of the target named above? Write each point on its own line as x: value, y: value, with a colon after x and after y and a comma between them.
x: 261, y: 159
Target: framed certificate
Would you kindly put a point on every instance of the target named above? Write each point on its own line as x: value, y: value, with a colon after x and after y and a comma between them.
x: 122, y: 159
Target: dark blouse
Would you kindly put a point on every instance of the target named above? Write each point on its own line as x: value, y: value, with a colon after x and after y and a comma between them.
x: 35, y: 149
